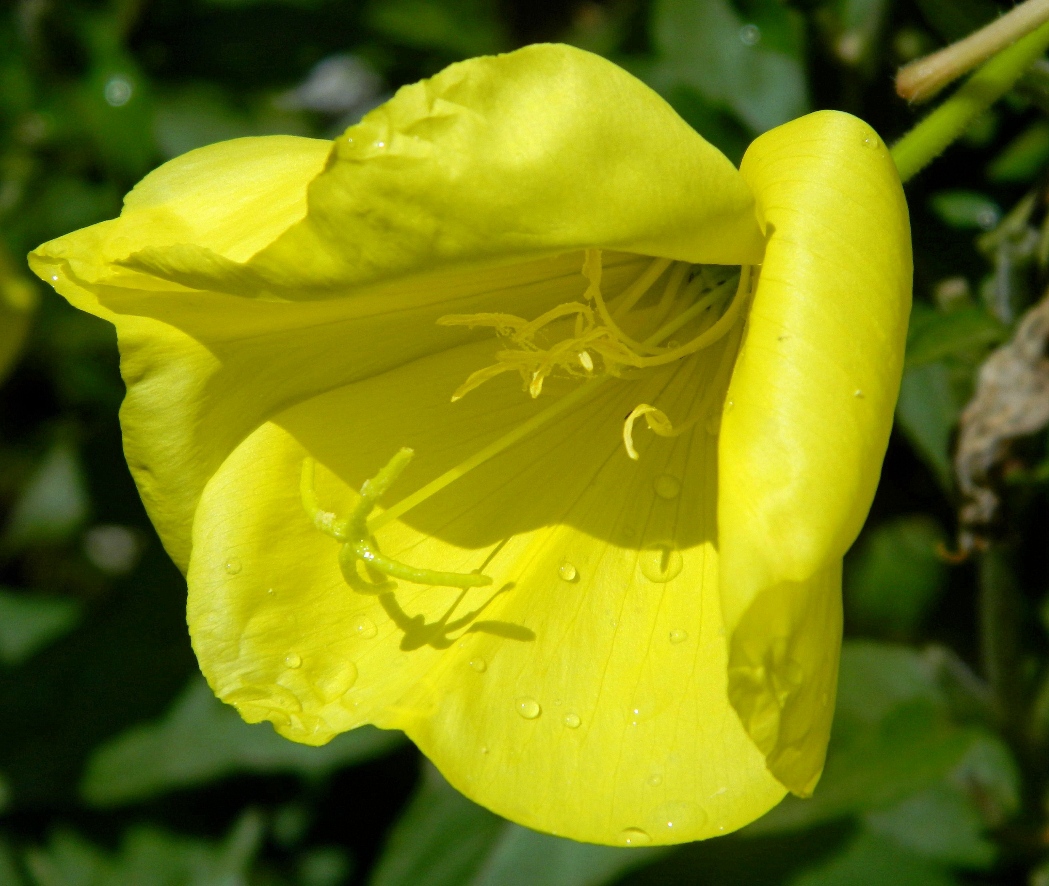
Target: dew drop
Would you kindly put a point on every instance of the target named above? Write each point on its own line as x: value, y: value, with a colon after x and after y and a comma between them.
x: 54, y: 278
x: 567, y: 571
x: 729, y: 404
x: 484, y: 750
x: 380, y: 144
x: 655, y: 780
x: 269, y: 590
x: 364, y: 627
x: 661, y: 564
x: 678, y: 636
x: 750, y: 35
x: 528, y: 708
x: 634, y: 837
x: 232, y: 566
x: 870, y: 141
x: 479, y: 665
x: 292, y: 660
x: 572, y: 721
x: 858, y: 394
x: 667, y: 486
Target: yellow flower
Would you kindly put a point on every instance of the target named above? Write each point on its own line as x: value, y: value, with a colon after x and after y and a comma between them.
x: 615, y: 650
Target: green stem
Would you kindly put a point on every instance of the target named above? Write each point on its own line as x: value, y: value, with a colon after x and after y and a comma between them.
x: 999, y: 633
x: 931, y: 136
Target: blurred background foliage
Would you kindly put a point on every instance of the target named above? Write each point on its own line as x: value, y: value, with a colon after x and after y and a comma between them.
x: 117, y: 766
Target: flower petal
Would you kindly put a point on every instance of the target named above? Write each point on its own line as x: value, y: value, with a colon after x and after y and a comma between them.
x: 236, y: 274
x: 583, y: 692
x: 807, y: 420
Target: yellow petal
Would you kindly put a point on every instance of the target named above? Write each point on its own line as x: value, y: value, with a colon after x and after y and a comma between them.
x: 236, y: 274
x: 807, y: 420
x: 584, y: 691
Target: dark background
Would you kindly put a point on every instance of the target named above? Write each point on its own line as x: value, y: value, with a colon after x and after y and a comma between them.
x: 116, y: 764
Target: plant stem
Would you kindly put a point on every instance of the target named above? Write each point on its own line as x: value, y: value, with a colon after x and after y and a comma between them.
x: 931, y: 136
x: 999, y: 634
x: 922, y: 79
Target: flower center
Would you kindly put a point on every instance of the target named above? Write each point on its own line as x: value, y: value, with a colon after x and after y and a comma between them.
x: 565, y: 339
x: 628, y: 334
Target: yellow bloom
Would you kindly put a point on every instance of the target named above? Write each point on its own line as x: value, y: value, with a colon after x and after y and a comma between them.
x: 617, y: 650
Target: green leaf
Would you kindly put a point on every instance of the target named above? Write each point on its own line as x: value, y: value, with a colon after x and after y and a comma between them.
x: 966, y: 209
x: 29, y: 622
x: 954, y: 19
x: 871, y: 859
x: 934, y: 335
x: 446, y: 840
x: 750, y: 62
x: 52, y: 505
x: 149, y: 857
x: 193, y: 118
x: 894, y: 576
x: 927, y: 412
x: 9, y: 875
x: 1024, y: 157
x: 202, y: 740
x: 940, y: 824
x: 459, y: 28
x: 892, y: 738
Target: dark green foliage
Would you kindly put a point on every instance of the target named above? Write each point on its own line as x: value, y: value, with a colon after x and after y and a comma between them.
x: 118, y: 766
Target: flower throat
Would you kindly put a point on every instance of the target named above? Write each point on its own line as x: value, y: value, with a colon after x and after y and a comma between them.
x: 695, y: 298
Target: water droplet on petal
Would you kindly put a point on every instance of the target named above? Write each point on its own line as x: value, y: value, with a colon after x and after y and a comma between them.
x: 380, y: 144
x: 634, y: 837
x: 479, y: 665
x: 364, y: 627
x: 870, y: 140
x: 292, y: 660
x: 484, y: 750
x: 667, y: 486
x: 858, y: 394
x: 661, y: 564
x: 270, y: 591
x: 232, y: 566
x: 54, y: 277
x: 572, y: 721
x: 678, y: 637
x: 528, y: 708
x: 655, y: 779
x: 567, y: 571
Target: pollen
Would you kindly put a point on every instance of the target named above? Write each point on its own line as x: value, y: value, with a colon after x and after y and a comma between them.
x: 617, y: 337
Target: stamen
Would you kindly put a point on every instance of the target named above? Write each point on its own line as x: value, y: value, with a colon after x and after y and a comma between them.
x: 632, y: 294
x: 592, y: 272
x: 358, y: 544
x: 656, y: 420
